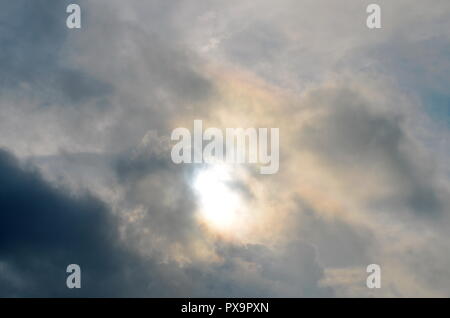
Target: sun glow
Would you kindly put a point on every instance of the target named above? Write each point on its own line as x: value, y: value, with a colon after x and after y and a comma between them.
x: 219, y: 204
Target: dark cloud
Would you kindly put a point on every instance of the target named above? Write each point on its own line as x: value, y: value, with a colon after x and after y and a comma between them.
x: 33, y: 37
x: 32, y: 32
x: 74, y: 99
x: 43, y: 229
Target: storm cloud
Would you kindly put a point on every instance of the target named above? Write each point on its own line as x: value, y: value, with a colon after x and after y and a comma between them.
x: 87, y: 178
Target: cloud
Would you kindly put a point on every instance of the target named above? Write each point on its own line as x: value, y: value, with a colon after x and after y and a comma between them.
x: 70, y: 99
x: 363, y: 178
x: 44, y: 229
x: 33, y: 58
x: 351, y: 136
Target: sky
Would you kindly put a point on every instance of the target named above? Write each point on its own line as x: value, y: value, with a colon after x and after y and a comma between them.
x: 86, y: 175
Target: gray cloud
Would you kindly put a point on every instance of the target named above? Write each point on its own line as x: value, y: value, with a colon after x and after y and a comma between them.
x: 364, y: 175
x: 44, y: 229
x: 33, y: 36
x: 354, y: 138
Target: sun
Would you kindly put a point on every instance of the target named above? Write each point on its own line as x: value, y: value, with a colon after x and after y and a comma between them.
x: 219, y: 203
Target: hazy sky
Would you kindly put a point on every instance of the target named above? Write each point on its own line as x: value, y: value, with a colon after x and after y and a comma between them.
x: 86, y: 175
